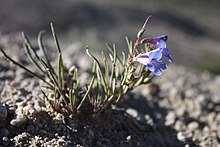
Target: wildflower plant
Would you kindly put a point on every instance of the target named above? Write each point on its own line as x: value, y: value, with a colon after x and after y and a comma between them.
x: 111, y: 79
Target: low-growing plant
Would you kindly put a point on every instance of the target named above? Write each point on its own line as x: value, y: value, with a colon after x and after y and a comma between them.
x: 112, y: 77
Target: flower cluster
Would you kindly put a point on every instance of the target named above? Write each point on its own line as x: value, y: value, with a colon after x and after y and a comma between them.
x: 156, y: 49
x: 152, y: 59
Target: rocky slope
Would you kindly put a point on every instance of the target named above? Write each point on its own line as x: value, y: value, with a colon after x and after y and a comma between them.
x: 180, y: 108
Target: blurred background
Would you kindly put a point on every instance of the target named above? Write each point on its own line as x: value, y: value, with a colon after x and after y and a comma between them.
x: 193, y: 27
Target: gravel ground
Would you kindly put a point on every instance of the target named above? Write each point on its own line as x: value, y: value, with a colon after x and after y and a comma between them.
x: 180, y: 108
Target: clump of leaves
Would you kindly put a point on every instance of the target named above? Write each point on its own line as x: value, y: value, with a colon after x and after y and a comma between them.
x: 112, y: 78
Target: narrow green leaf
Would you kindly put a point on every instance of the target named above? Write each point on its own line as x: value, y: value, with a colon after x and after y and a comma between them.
x: 146, y: 80
x: 51, y: 76
x: 41, y: 47
x: 72, y: 98
x: 75, y: 81
x: 114, y: 53
x: 139, y: 81
x: 113, y: 85
x: 60, y: 70
x: 98, y: 90
x: 34, y: 62
x: 125, y: 89
x: 106, y: 69
x: 111, y: 58
x: 28, y: 48
x: 116, y: 72
x: 87, y: 92
x: 56, y: 82
x: 123, y: 59
x: 90, y: 85
x: 99, y: 71
x: 27, y: 42
x: 60, y: 58
x: 119, y: 97
x: 130, y: 45
x: 98, y: 74
x: 55, y: 38
x: 124, y: 76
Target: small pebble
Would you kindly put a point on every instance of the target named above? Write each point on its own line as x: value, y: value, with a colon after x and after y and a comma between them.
x: 132, y: 112
x: 129, y: 138
x: 26, y: 109
x: 37, y: 106
x: 20, y: 120
x: 149, y: 120
x: 181, y: 136
x: 170, y: 118
x: 62, y: 142
x: 5, y: 141
x: 58, y: 119
x: 193, y: 126
x: 179, y: 125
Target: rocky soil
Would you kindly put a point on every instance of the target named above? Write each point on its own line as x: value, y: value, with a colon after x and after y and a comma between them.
x: 180, y: 108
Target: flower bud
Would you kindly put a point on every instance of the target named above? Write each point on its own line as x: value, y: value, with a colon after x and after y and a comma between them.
x: 140, y: 33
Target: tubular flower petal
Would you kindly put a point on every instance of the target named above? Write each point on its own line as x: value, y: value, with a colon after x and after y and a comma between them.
x: 156, y: 65
x: 166, y: 53
x: 143, y: 58
x: 161, y: 44
x: 155, y: 40
x: 153, y: 59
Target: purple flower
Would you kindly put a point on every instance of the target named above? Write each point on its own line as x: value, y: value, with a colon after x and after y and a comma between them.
x: 153, y: 61
x: 161, y: 44
x: 155, y: 64
x: 156, y: 40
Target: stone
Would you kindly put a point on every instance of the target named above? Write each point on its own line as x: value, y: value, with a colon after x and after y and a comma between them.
x: 181, y: 136
x: 37, y: 106
x: 20, y: 120
x: 170, y: 118
x: 129, y: 138
x: 5, y: 141
x: 132, y: 112
x: 179, y: 125
x: 62, y: 142
x: 193, y: 126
